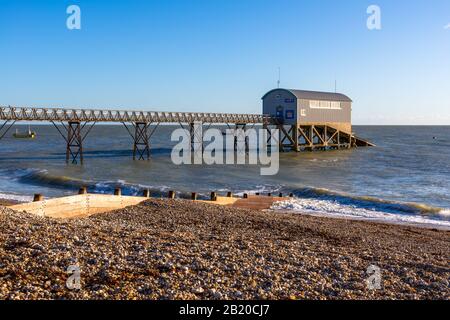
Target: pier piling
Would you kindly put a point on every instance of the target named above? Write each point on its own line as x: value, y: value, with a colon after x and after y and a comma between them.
x: 146, y: 193
x: 38, y: 197
x: 141, y: 147
x: 83, y: 190
x: 74, y: 149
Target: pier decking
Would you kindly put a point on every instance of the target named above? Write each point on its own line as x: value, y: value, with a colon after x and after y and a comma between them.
x: 74, y: 125
x: 84, y: 115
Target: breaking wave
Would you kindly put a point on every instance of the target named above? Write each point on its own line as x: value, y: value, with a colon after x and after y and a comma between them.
x: 307, y: 200
x: 362, y: 208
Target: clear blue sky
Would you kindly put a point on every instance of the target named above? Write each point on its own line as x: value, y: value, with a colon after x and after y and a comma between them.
x: 223, y: 55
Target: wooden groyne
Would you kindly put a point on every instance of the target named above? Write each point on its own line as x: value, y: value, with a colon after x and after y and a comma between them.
x: 86, y: 204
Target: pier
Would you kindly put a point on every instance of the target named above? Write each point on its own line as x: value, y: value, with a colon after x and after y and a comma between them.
x: 74, y: 125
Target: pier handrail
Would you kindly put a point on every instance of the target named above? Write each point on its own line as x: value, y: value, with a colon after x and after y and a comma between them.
x: 11, y: 113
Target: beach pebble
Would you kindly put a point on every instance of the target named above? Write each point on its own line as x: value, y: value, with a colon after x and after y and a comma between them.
x: 176, y: 249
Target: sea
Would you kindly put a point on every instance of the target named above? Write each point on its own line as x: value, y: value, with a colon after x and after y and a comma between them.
x: 405, y: 179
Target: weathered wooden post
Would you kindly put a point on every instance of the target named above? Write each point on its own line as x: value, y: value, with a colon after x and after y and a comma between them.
x: 146, y: 193
x: 229, y: 195
x: 38, y: 197
x: 117, y: 191
x: 194, y: 196
x: 245, y: 196
x: 295, y: 137
x: 83, y: 190
x: 213, y: 196
x: 171, y: 194
x: 269, y: 194
x: 280, y: 195
x: 291, y: 195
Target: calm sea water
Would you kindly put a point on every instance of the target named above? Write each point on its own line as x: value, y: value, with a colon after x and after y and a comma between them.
x: 406, y: 178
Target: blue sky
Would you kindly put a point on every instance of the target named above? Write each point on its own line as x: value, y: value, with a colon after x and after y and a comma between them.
x: 223, y: 55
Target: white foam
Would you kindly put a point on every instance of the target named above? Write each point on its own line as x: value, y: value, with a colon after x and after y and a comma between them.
x: 335, y: 209
x: 445, y: 212
x: 107, y: 186
x: 16, y: 197
x: 257, y: 189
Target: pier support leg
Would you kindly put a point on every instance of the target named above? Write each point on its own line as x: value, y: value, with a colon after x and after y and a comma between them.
x: 269, y: 136
x: 339, y: 140
x: 7, y: 126
x: 196, y: 136
x: 295, y: 137
x: 74, y: 139
x: 311, y: 137
x: 288, y: 138
x: 141, y: 147
x: 240, y: 136
x: 74, y: 148
x: 141, y: 138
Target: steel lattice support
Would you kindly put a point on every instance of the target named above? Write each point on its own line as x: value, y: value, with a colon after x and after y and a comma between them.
x: 141, y: 139
x: 74, y: 138
x: 196, y: 136
x: 312, y: 137
x: 240, y: 136
x: 196, y: 140
x: 74, y: 148
x: 7, y: 126
x: 141, y: 147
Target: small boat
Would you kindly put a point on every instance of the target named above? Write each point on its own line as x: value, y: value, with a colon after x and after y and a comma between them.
x: 28, y: 135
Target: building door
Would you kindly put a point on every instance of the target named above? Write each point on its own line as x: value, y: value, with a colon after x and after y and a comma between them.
x: 280, y: 112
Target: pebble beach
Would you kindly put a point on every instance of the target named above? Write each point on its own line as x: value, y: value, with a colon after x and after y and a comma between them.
x: 180, y: 249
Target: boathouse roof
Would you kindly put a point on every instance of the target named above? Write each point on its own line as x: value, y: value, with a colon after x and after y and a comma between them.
x: 314, y: 95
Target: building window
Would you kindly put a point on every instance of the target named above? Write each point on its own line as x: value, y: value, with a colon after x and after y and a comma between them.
x: 335, y: 105
x: 316, y: 104
x: 303, y: 112
x: 290, y: 114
